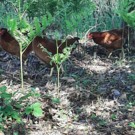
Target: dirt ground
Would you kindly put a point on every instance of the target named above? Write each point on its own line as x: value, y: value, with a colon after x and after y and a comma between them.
x: 97, y: 94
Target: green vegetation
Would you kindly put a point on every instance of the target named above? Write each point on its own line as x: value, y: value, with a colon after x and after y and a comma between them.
x: 126, y: 11
x: 15, y: 109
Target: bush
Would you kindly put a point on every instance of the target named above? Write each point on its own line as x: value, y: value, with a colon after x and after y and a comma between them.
x: 12, y: 108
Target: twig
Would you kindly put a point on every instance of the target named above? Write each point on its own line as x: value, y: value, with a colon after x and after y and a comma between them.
x: 85, y: 36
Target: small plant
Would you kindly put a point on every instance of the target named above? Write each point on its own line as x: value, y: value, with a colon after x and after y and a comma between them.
x: 93, y: 116
x: 15, y: 109
x: 58, y: 60
x: 113, y: 117
x: 55, y: 100
x: 23, y: 30
x: 98, y: 120
x: 102, y: 122
x: 132, y: 124
x: 130, y: 105
x: 34, y: 109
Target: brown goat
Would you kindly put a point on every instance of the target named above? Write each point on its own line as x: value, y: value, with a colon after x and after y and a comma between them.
x: 51, y: 46
x: 11, y: 45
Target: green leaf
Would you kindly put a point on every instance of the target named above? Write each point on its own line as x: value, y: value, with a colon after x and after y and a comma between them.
x: 132, y: 124
x: 50, y: 18
x: 31, y: 34
x: 69, y: 24
x: 18, y: 105
x: 55, y: 100
x: 113, y: 117
x: 6, y: 96
x: 28, y: 110
x: 16, y: 115
x: 102, y: 123
x: 8, y: 110
x: 36, y: 105
x: 37, y: 110
x: 44, y: 22
x: 3, y: 89
x: 37, y: 26
x: 15, y: 133
x: 93, y: 116
x: 13, y: 24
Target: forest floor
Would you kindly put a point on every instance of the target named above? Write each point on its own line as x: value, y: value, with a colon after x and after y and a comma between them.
x: 97, y: 95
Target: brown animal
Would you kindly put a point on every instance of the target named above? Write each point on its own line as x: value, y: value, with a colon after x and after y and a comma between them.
x: 11, y: 45
x: 111, y: 40
x: 51, y: 46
